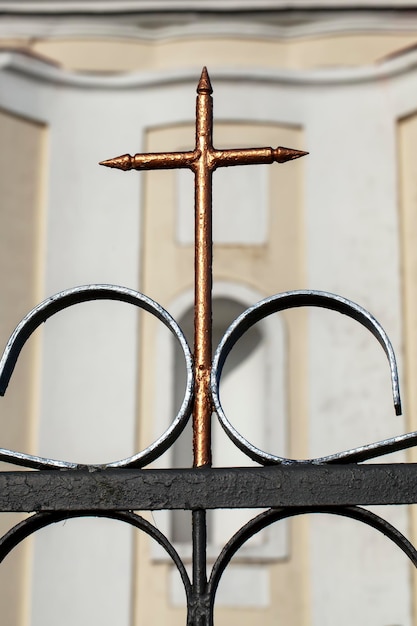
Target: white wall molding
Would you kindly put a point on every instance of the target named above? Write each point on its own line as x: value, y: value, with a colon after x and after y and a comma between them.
x: 20, y: 63
x: 120, y: 6
x: 325, y: 23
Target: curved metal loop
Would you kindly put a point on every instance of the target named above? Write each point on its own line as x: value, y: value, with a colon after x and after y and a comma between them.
x: 281, y: 302
x: 40, y: 520
x: 68, y: 298
x: 267, y: 518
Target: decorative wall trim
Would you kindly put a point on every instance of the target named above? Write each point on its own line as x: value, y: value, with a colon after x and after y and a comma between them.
x: 45, y: 72
x: 325, y: 23
x: 120, y: 6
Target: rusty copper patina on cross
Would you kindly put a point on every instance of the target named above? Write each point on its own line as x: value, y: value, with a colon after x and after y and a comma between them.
x: 203, y: 160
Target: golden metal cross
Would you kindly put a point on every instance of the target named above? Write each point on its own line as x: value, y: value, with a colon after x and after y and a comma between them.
x: 203, y: 160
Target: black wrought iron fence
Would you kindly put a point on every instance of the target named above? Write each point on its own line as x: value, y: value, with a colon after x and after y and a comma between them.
x: 337, y: 484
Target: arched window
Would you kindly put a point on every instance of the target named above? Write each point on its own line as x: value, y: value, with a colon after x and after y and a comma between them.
x: 254, y: 398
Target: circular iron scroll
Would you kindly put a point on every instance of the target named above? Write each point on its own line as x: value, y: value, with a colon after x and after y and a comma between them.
x: 289, y: 300
x: 68, y: 298
x: 36, y: 522
x: 41, y: 520
x: 267, y: 518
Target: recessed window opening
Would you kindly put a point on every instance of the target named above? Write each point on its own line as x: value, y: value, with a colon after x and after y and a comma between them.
x: 243, y: 392
x: 253, y: 395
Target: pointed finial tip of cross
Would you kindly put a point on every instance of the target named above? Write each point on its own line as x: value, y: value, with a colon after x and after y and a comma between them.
x: 123, y: 162
x: 204, y: 84
x: 282, y: 154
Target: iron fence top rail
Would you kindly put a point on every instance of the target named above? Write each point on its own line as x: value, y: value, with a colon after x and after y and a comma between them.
x: 295, y: 485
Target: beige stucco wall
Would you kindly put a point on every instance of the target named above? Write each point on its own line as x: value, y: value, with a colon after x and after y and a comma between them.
x: 407, y: 142
x: 22, y: 172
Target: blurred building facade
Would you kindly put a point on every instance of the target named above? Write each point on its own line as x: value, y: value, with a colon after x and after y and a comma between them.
x: 84, y: 81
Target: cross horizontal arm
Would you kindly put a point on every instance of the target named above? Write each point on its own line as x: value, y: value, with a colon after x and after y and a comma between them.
x: 300, y: 484
x: 152, y: 161
x: 253, y: 156
x: 217, y: 158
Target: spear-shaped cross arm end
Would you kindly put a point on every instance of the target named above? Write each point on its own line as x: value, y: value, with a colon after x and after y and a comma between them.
x: 281, y: 154
x: 124, y: 162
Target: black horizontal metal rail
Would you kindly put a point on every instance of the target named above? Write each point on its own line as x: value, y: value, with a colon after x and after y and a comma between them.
x: 305, y: 485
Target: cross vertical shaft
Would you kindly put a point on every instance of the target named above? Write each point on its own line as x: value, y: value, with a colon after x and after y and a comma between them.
x: 203, y: 256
